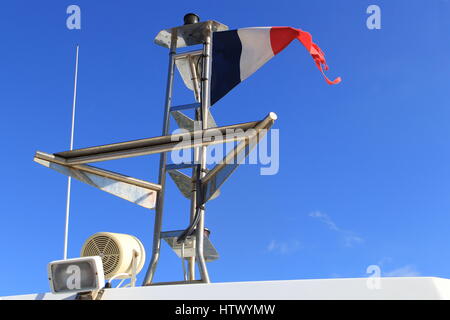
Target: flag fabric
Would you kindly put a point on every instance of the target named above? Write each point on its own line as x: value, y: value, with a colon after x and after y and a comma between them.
x: 237, y: 54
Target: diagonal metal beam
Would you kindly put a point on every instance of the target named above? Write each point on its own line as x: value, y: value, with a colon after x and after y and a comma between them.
x: 140, y: 192
x: 183, y: 121
x: 211, y: 122
x: 217, y: 176
x: 183, y: 182
x: 188, y: 124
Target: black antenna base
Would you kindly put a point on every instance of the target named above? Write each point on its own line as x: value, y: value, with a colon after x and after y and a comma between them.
x: 191, y: 18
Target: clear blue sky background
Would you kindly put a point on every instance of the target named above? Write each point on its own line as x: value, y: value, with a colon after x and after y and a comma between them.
x: 364, y: 166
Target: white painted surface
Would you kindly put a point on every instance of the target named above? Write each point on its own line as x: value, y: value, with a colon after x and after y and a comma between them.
x: 323, y: 289
x: 256, y: 49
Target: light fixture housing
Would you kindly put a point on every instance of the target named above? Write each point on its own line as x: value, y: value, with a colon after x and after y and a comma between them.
x: 76, y: 275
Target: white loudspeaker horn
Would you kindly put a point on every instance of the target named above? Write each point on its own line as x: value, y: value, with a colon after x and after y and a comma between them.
x: 117, y: 251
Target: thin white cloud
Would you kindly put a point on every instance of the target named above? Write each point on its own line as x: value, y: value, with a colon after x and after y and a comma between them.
x: 283, y: 247
x: 325, y: 219
x: 350, y: 238
x: 385, y: 260
x: 405, y: 271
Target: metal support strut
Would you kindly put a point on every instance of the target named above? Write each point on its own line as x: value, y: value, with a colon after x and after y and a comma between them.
x: 162, y: 167
x: 205, y: 104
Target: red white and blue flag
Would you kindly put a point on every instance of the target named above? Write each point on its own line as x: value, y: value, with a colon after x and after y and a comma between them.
x: 237, y: 54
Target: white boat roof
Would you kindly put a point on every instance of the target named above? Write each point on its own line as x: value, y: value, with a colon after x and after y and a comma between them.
x: 404, y: 288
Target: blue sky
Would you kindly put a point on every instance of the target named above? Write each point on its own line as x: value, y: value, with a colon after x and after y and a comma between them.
x: 364, y: 166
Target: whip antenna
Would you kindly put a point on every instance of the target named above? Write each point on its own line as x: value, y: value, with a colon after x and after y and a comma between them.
x: 69, y: 180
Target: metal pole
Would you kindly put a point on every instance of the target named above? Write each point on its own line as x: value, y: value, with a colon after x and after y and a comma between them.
x: 162, y: 167
x: 191, y: 260
x: 195, y: 180
x: 195, y: 158
x: 69, y: 181
x: 205, y: 103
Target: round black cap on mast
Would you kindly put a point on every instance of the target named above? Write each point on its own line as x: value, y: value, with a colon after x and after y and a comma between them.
x: 191, y: 18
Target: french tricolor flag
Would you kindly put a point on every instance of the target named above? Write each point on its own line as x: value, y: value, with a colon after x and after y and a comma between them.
x: 236, y: 54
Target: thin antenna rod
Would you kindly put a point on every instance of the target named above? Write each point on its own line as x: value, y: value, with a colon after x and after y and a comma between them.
x: 69, y: 181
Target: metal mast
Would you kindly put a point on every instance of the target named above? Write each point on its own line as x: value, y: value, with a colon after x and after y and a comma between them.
x: 192, y: 244
x: 191, y: 33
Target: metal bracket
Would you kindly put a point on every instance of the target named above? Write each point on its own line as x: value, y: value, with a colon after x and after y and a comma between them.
x: 90, y: 295
x: 209, y: 251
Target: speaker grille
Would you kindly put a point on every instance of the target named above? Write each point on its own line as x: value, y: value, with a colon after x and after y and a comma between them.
x: 107, y: 249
